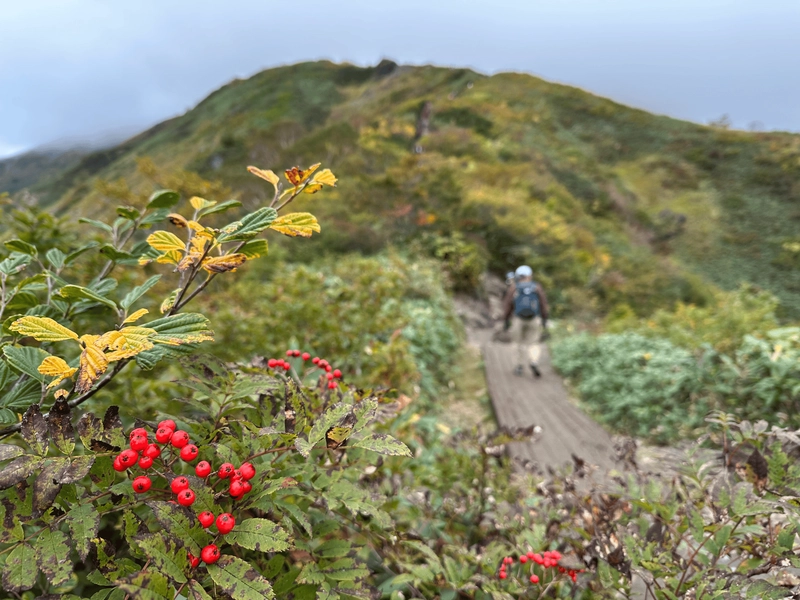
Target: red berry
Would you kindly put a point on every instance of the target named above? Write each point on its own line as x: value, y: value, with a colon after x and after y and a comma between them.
x: 225, y: 523
x: 328, y: 368
x: 247, y: 470
x: 189, y: 452
x: 179, y: 484
x: 315, y: 360
x: 286, y: 366
x: 141, y: 484
x: 206, y: 519
x: 322, y: 363
x: 530, y: 555
x: 523, y: 559
x: 537, y: 558
x: 138, y: 431
x: 203, y: 468
x: 139, y: 443
x: 210, y: 554
x: 306, y: 356
x: 329, y: 376
x: 145, y: 462
x: 296, y: 353
x: 179, y: 439
x: 534, y: 579
x: 152, y: 451
x: 508, y: 560
x: 168, y: 423
x: 128, y: 457
x: 331, y: 385
x: 118, y: 466
x: 337, y: 373
x: 163, y: 434
x: 272, y: 363
x: 290, y: 353
x: 186, y: 497
x: 236, y: 488
x: 503, y: 575
x: 193, y: 560
x: 246, y: 486
x: 225, y: 470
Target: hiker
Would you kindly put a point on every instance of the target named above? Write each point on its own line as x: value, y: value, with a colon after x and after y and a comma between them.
x: 525, y: 301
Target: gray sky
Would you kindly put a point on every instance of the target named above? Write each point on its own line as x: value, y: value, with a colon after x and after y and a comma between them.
x: 84, y: 69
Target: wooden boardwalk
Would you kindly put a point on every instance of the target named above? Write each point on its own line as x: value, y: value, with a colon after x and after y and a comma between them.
x: 521, y: 401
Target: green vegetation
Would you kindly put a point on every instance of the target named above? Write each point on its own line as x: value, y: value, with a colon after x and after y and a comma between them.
x: 617, y: 209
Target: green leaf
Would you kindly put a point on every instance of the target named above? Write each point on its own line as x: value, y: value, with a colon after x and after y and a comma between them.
x: 14, y: 263
x: 27, y: 360
x: 99, y: 224
x: 255, y: 248
x: 195, y: 591
x: 77, y: 292
x: 249, y: 227
x: 21, y: 247
x: 145, y: 585
x: 260, y: 535
x: 163, y: 199
x: 112, y: 253
x: 138, y: 292
x: 19, y: 572
x: 22, y: 395
x: 83, y: 522
x: 180, y: 524
x: 218, y: 208
x: 52, y: 556
x: 239, y: 580
x: 334, y: 549
x: 382, y: 444
x: 165, y: 556
x: 128, y: 212
x: 76, y: 253
x: 328, y: 419
x: 311, y: 574
x: 56, y: 258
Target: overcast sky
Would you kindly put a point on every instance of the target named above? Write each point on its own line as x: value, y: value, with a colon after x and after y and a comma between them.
x: 84, y: 69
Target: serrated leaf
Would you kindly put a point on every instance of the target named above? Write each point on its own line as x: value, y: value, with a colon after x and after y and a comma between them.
x: 46, y: 486
x: 163, y: 199
x: 296, y: 224
x: 165, y: 556
x: 223, y: 264
x: 19, y: 571
x: 334, y: 549
x: 178, y: 524
x: 195, y: 591
x: 249, y: 227
x: 77, y: 469
x: 144, y: 585
x: 21, y: 247
x: 382, y: 444
x: 255, y: 248
x: 311, y: 574
x: 93, y: 363
x: 59, y: 423
x: 27, y: 360
x: 261, y: 535
x: 222, y: 207
x: 42, y: 329
x: 137, y: 292
x: 53, y: 366
x: 83, y: 522
x: 239, y: 580
x: 164, y: 241
x: 34, y: 430
x: 77, y: 292
x: 328, y: 419
x: 52, y: 556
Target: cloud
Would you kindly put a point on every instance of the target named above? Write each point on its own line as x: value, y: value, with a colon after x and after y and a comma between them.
x: 78, y: 69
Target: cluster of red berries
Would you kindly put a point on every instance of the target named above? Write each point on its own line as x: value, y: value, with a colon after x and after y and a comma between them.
x: 143, y: 452
x: 331, y: 374
x: 548, y: 559
x: 239, y: 478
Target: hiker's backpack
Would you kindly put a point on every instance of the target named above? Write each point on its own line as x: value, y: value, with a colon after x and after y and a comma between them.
x: 526, y: 300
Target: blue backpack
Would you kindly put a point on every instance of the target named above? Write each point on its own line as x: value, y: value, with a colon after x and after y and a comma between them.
x: 526, y: 300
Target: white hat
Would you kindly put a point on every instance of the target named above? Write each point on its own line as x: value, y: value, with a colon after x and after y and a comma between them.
x: 524, y: 271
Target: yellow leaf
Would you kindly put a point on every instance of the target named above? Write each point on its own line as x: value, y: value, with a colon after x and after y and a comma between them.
x: 170, y: 258
x: 325, y: 177
x: 42, y: 329
x: 136, y: 316
x: 185, y: 339
x: 195, y: 226
x: 297, y: 176
x: 129, y: 341
x: 177, y: 220
x: 198, y: 244
x: 90, y: 340
x: 312, y: 188
x: 222, y: 264
x: 61, y: 394
x: 199, y: 203
x: 164, y: 241
x: 266, y: 175
x: 53, y: 366
x: 188, y: 261
x: 255, y: 248
x: 93, y: 364
x: 294, y: 224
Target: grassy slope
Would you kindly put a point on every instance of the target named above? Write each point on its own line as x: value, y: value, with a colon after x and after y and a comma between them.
x: 612, y: 205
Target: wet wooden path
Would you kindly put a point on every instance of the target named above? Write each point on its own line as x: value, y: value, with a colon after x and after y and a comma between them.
x: 521, y: 401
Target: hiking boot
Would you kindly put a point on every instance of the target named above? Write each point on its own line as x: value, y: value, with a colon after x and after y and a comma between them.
x: 535, y: 369
x: 518, y: 370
